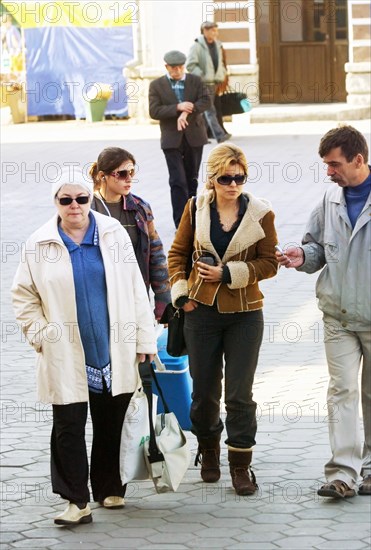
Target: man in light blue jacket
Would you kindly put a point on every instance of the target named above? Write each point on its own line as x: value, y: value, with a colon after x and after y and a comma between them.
x: 338, y: 239
x: 205, y: 59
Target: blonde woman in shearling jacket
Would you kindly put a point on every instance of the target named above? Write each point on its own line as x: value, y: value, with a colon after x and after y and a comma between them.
x: 232, y: 246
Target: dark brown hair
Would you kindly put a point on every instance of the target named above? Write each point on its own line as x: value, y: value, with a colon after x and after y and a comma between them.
x: 350, y: 140
x: 108, y: 160
x: 208, y: 25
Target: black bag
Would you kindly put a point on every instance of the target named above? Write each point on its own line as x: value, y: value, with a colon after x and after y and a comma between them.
x: 234, y: 103
x: 174, y: 318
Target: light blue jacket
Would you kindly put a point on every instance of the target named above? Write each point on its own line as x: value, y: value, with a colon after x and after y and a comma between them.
x: 343, y: 288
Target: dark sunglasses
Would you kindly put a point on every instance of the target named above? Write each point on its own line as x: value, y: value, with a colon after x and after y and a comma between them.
x: 123, y: 174
x: 227, y: 180
x: 65, y: 201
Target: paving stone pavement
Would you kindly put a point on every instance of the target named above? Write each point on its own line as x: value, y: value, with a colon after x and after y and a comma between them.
x: 291, y: 379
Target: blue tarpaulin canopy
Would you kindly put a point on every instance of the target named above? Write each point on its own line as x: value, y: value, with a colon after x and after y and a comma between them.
x: 69, y: 51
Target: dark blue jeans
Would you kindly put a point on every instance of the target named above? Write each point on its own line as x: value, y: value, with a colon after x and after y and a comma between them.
x: 236, y: 337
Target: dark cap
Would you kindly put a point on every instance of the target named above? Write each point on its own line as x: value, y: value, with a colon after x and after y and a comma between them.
x: 208, y: 25
x: 175, y: 58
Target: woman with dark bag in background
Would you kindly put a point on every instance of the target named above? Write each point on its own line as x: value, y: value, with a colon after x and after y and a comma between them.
x: 232, y: 246
x: 113, y: 175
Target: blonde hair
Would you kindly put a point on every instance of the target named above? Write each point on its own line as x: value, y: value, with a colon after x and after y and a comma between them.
x: 220, y: 159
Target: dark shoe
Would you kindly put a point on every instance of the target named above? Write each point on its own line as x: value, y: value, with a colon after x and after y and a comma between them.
x: 208, y: 455
x: 336, y: 489
x: 73, y: 515
x: 365, y: 487
x: 243, y: 478
x: 226, y: 137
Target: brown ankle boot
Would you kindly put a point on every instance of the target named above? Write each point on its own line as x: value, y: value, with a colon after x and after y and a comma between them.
x: 208, y: 455
x: 243, y: 478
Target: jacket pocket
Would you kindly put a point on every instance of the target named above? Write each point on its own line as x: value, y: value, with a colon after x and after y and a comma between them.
x: 49, y: 333
x: 332, y: 252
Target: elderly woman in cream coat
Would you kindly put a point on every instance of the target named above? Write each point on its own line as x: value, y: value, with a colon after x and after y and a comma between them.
x: 82, y: 304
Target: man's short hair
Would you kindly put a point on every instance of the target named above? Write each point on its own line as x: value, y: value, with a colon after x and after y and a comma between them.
x: 208, y: 25
x: 350, y: 140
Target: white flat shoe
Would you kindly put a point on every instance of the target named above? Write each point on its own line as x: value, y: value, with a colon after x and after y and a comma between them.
x: 73, y: 515
x: 113, y: 502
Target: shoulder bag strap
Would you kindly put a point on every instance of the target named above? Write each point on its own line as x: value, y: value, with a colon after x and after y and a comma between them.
x: 146, y: 375
x: 189, y: 265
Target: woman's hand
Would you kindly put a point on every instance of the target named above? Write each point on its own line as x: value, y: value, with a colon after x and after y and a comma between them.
x: 210, y: 273
x: 190, y: 306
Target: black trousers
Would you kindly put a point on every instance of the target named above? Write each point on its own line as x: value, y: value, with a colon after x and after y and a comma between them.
x: 183, y: 165
x: 211, y: 336
x: 219, y: 112
x: 69, y: 460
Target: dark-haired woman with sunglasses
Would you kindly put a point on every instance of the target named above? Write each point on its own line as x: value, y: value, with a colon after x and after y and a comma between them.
x: 112, y: 175
x: 223, y: 309
x: 83, y: 306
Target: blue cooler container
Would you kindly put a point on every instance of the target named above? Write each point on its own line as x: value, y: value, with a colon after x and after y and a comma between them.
x: 175, y: 382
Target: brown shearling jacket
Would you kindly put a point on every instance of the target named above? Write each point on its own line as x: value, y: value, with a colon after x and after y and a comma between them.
x: 250, y: 257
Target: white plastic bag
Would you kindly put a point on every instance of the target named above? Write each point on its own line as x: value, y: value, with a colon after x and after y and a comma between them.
x: 135, y: 432
x: 172, y: 445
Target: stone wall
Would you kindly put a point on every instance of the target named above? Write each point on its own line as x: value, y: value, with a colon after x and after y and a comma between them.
x: 358, y: 70
x: 160, y: 29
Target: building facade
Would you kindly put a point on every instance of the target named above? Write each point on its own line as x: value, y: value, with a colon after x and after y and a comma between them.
x: 277, y: 51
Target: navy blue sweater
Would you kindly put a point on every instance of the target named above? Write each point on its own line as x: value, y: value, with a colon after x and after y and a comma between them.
x: 356, y: 199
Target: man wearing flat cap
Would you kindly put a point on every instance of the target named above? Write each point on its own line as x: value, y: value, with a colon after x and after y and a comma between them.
x: 206, y: 59
x: 178, y: 100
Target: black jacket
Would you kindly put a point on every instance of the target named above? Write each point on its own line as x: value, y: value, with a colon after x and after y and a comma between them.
x: 162, y: 107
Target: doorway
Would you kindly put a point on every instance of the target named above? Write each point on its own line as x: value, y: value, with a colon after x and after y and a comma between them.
x: 302, y: 46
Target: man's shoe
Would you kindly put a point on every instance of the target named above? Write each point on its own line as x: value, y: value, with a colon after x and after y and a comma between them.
x: 365, y: 487
x: 113, y: 502
x: 73, y: 515
x: 226, y: 137
x: 336, y: 489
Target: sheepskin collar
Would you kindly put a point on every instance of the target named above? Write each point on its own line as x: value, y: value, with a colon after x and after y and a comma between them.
x: 248, y: 232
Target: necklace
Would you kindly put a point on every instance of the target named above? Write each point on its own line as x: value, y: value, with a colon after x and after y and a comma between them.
x: 228, y: 221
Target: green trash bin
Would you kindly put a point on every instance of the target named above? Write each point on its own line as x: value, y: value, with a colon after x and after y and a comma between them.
x: 95, y: 110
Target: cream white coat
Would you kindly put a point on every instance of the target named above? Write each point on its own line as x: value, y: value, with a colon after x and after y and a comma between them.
x: 44, y: 301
